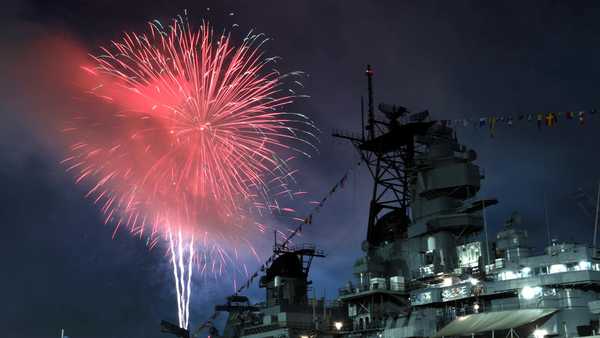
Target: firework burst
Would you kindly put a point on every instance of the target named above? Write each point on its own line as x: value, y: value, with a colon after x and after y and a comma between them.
x: 186, y: 130
x: 200, y: 125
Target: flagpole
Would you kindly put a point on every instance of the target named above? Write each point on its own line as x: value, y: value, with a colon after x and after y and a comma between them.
x: 596, y: 221
x: 62, y: 333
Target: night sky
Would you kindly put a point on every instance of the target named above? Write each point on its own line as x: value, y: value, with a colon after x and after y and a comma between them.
x: 459, y: 59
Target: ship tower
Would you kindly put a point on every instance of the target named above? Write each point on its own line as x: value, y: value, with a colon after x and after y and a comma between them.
x: 423, y: 223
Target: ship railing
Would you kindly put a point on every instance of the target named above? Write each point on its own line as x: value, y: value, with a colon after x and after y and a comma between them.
x: 351, y: 290
x: 372, y: 326
x: 299, y: 325
x: 311, y: 302
x: 318, y: 303
x: 354, y: 289
x: 364, y: 288
x: 295, y: 248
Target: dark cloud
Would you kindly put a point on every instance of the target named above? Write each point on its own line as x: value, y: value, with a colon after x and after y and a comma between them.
x: 458, y: 59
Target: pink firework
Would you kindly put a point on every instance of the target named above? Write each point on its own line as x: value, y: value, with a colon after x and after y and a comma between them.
x: 182, y: 131
x: 191, y: 129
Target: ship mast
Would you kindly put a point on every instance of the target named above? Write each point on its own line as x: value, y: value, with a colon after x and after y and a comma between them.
x: 388, y: 150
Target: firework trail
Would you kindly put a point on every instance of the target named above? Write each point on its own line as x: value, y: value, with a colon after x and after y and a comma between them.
x: 186, y: 132
x: 182, y: 273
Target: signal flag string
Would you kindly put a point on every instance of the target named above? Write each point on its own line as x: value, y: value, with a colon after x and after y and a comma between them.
x: 550, y: 119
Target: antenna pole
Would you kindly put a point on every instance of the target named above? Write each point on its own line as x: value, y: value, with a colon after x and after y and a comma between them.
x: 547, y: 221
x: 362, y: 116
x: 371, y: 118
x: 324, y: 309
x: 487, y: 242
x: 596, y: 221
x: 315, y: 307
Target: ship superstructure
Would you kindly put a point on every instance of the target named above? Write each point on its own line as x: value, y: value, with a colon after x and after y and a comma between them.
x: 287, y: 310
x: 429, y: 268
x: 434, y: 236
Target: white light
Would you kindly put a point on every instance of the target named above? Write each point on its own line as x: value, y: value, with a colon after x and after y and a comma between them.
x: 303, y: 336
x: 526, y: 270
x: 476, y: 307
x: 584, y: 265
x: 558, y: 268
x: 474, y: 281
x: 338, y: 325
x: 506, y: 275
x: 529, y: 292
x: 447, y: 281
x: 540, y: 333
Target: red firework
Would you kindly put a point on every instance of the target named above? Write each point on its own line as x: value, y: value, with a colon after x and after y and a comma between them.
x: 186, y: 128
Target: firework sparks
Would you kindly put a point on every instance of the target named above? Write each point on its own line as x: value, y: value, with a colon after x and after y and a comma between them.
x: 200, y: 124
x: 187, y: 129
x: 182, y: 256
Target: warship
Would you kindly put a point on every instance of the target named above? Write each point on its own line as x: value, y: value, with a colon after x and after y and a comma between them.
x: 429, y: 268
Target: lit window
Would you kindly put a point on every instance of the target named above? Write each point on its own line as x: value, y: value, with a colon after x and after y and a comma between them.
x: 506, y: 275
x: 538, y: 333
x: 584, y: 265
x: 556, y: 268
x: 529, y: 292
